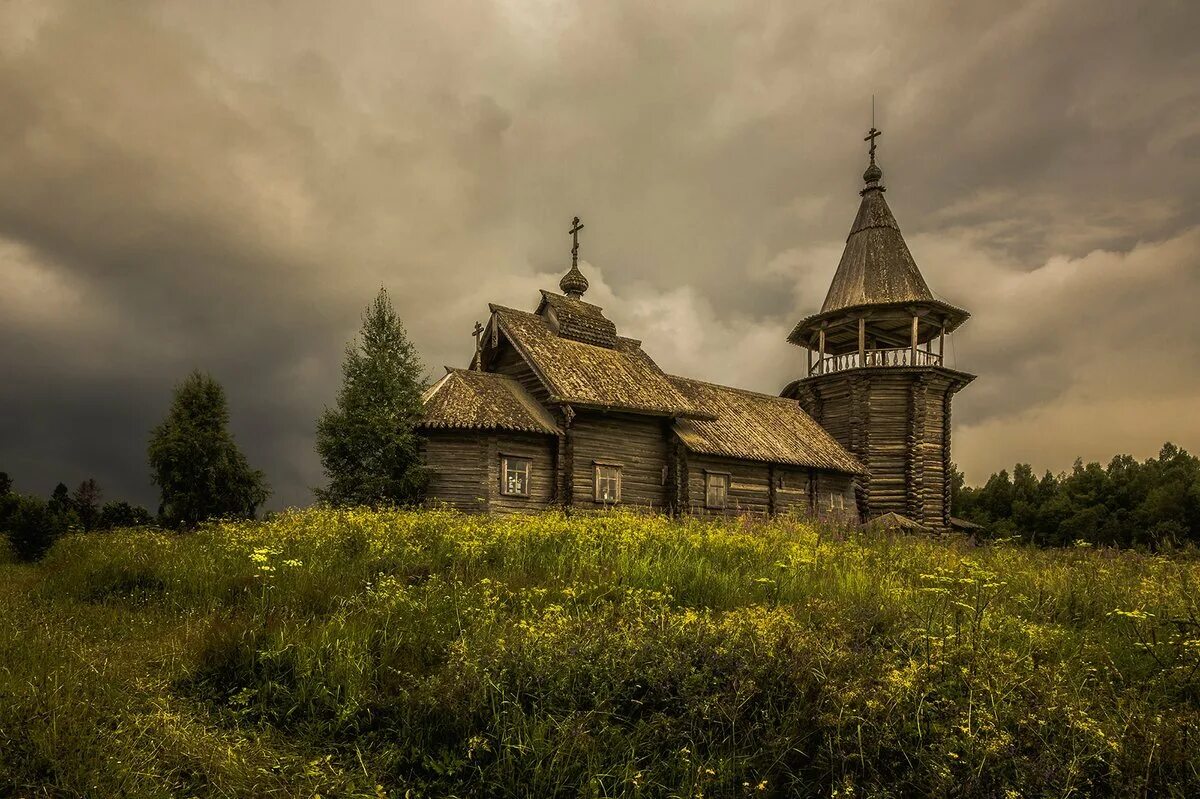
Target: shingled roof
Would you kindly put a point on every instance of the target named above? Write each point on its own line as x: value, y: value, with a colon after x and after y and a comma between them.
x: 876, y: 266
x: 877, y: 279
x: 483, y: 401
x: 622, y: 377
x: 758, y: 427
x: 579, y: 320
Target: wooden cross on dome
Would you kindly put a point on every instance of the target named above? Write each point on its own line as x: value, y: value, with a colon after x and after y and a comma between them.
x: 871, y: 136
x: 574, y: 231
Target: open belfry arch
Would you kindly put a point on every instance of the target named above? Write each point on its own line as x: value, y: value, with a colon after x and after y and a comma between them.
x: 876, y: 375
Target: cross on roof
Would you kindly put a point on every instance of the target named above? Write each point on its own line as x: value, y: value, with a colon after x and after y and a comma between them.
x: 477, y: 361
x: 574, y: 231
x: 871, y: 136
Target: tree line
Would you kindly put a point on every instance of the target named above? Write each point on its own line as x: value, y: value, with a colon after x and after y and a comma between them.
x: 1151, y: 503
x: 367, y: 445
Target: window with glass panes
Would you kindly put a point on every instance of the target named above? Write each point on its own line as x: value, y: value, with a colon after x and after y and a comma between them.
x: 608, y: 482
x: 514, y: 476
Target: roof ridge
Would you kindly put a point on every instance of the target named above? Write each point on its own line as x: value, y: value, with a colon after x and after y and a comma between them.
x: 497, y: 375
x: 735, y: 388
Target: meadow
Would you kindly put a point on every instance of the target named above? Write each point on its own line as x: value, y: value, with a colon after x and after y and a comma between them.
x: 428, y: 654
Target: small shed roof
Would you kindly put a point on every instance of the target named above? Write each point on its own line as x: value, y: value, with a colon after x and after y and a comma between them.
x: 622, y: 377
x: 759, y: 427
x: 895, y: 521
x: 483, y: 401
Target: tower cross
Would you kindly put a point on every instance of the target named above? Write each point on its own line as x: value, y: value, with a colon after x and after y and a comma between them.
x: 574, y: 231
x: 871, y: 136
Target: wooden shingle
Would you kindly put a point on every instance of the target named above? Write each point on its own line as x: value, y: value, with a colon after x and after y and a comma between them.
x: 622, y: 377
x: 483, y: 401
x: 759, y: 427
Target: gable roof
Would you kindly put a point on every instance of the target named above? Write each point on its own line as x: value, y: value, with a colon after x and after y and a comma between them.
x: 876, y: 266
x: 622, y: 377
x: 758, y: 427
x: 483, y: 401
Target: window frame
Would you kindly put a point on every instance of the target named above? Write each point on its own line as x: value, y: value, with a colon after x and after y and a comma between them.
x: 597, y: 467
x: 504, y: 462
x: 727, y: 478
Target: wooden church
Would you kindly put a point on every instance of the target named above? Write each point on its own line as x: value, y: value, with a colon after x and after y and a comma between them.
x: 559, y: 409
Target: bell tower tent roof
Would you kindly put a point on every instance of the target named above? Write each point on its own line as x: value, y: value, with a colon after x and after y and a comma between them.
x: 877, y: 276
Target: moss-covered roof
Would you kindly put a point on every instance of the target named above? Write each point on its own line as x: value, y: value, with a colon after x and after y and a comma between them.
x: 483, y: 401
x: 758, y: 427
x: 578, y: 320
x: 621, y: 377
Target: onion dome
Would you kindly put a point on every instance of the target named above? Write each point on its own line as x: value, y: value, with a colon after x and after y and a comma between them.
x: 573, y: 283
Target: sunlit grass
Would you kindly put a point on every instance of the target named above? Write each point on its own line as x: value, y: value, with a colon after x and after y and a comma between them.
x: 353, y: 653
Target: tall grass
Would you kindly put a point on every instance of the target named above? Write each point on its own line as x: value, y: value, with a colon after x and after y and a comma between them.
x: 351, y: 653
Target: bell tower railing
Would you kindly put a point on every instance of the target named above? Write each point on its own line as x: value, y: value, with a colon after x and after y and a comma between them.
x: 899, y: 356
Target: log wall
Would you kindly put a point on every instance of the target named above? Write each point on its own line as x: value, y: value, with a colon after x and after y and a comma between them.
x: 464, y: 469
x: 457, y: 468
x: 540, y: 451
x: 749, y: 486
x: 637, y: 443
x: 897, y: 422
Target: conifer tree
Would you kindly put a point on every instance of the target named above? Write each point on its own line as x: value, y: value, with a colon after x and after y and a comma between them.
x: 86, y: 502
x: 367, y: 443
x: 200, y: 472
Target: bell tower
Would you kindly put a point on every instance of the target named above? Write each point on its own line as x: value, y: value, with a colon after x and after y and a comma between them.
x: 877, y: 379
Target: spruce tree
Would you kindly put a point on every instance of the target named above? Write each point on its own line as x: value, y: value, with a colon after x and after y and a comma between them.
x: 367, y: 443
x: 200, y: 472
x: 86, y: 502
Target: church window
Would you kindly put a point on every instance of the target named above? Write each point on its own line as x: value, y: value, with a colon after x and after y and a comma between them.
x: 608, y: 483
x: 716, y: 489
x: 515, y: 479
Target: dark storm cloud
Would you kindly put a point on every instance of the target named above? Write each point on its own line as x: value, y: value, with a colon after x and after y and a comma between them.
x: 226, y: 185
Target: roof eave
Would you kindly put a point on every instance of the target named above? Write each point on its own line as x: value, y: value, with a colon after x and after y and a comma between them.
x: 855, y: 468
x: 954, y: 315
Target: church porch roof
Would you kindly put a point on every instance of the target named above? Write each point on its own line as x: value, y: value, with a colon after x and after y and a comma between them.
x: 469, y: 400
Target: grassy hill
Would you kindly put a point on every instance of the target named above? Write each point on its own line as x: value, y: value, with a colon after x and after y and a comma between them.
x: 430, y: 654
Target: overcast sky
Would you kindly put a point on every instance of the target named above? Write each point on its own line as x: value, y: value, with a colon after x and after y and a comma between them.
x: 225, y: 186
